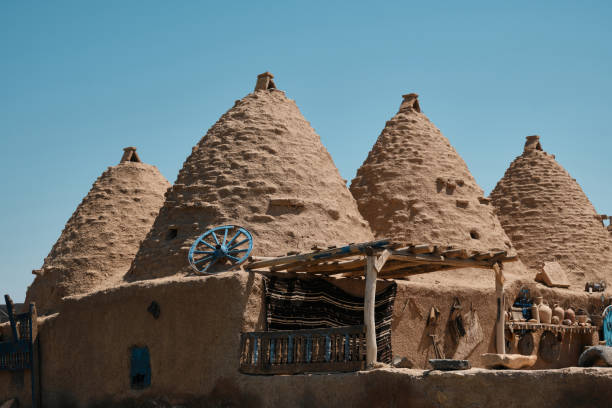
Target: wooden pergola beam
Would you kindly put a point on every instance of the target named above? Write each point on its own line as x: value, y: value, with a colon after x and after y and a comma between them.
x: 417, y: 270
x: 332, y: 268
x: 434, y: 259
x: 321, y: 256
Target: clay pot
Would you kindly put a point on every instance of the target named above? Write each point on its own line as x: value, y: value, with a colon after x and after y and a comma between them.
x: 582, y: 319
x: 517, y: 314
x: 554, y: 320
x: 570, y: 315
x: 581, y: 312
x: 567, y: 322
x: 535, y: 315
x: 559, y: 312
x: 544, y: 312
x: 597, y: 320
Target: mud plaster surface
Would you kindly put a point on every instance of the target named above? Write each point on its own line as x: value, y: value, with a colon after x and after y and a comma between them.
x: 414, y: 187
x: 549, y: 218
x: 102, y: 236
x: 261, y: 166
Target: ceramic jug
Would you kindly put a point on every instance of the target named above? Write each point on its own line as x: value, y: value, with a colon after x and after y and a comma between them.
x: 570, y: 314
x: 544, y: 311
x: 535, y: 314
x: 558, y: 311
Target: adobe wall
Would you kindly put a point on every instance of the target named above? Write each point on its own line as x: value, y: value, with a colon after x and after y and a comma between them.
x: 195, y: 340
x: 414, y: 299
x: 410, y: 332
x: 15, y: 385
x: 194, y: 344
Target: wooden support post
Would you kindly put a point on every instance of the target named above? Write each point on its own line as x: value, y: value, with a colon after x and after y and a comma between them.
x: 381, y: 260
x: 10, y: 310
x: 500, y: 328
x: 34, y: 358
x: 368, y: 308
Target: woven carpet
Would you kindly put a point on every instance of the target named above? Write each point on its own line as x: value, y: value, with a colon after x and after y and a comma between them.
x: 294, y: 304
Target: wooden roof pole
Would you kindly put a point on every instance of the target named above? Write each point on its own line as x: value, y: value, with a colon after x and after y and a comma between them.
x: 500, y: 339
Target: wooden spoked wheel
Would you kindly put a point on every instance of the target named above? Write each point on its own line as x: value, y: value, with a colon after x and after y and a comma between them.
x: 228, y: 245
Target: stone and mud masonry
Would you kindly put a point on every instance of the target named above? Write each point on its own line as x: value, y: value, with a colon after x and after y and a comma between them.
x: 260, y: 279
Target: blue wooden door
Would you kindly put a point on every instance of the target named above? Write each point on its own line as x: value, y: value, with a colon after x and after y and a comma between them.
x: 140, y: 368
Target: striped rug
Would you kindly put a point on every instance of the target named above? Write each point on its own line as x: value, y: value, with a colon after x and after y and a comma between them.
x: 295, y: 304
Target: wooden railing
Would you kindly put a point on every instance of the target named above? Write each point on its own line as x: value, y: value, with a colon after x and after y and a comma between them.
x: 21, y: 351
x: 300, y: 351
x: 16, y: 354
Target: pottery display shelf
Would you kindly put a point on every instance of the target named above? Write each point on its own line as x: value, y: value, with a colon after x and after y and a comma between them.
x: 558, y: 328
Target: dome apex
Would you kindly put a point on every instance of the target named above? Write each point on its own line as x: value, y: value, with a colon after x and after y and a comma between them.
x: 410, y: 101
x: 264, y: 82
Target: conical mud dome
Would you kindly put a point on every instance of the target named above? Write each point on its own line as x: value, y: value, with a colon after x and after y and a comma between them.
x: 414, y: 187
x: 100, y: 240
x: 261, y: 166
x: 549, y: 218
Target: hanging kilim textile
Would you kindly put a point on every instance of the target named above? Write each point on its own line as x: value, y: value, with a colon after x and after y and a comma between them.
x: 294, y: 304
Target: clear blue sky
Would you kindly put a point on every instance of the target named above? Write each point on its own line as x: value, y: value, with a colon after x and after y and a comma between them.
x: 81, y: 80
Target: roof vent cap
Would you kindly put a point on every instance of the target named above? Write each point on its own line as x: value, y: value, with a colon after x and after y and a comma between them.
x: 532, y: 144
x: 130, y: 155
x: 265, y: 81
x: 411, y: 101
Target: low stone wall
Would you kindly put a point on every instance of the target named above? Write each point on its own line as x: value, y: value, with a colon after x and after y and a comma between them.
x: 571, y: 387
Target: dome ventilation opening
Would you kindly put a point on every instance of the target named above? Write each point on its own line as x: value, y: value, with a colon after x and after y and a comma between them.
x: 532, y: 144
x: 474, y: 234
x: 411, y: 101
x: 172, y: 233
x: 130, y: 155
x: 264, y: 82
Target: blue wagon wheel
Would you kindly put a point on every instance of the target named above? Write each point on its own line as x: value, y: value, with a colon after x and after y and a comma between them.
x: 228, y: 244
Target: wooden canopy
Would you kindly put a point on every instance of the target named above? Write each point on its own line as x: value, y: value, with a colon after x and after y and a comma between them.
x: 394, y: 260
x: 387, y: 260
